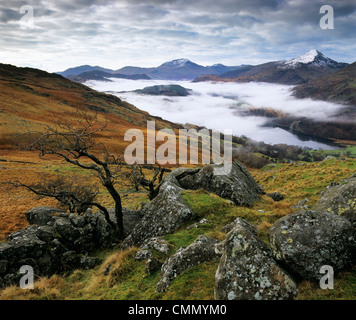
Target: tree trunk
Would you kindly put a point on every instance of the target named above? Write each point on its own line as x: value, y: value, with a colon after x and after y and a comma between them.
x: 118, y: 209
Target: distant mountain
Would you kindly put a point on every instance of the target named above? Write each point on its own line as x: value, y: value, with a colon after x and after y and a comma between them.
x: 180, y: 69
x: 104, y: 76
x: 311, y: 65
x: 78, y: 70
x: 338, y: 87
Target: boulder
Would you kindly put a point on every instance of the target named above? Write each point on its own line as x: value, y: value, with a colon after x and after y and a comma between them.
x: 247, y: 270
x: 201, y: 250
x: 237, y: 186
x: 59, y: 241
x: 42, y: 215
x: 240, y: 223
x: 305, y: 241
x: 340, y: 199
x: 168, y: 211
x: 163, y: 215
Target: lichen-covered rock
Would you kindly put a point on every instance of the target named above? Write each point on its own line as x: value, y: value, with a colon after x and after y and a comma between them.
x: 241, y: 223
x: 237, y: 186
x: 42, y: 215
x: 58, y: 242
x: 307, y: 240
x: 163, y: 215
x: 143, y: 255
x: 201, y: 250
x: 168, y: 211
x: 158, y: 244
x: 340, y: 199
x: 247, y: 270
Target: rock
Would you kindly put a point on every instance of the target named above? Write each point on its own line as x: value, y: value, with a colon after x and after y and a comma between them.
x: 307, y: 240
x: 201, y: 250
x: 247, y: 270
x: 301, y: 204
x: 276, y: 196
x: 42, y: 215
x: 340, y: 199
x: 196, y: 225
x: 158, y: 244
x: 241, y: 223
x: 87, y: 263
x: 58, y: 242
x: 237, y: 186
x: 168, y: 211
x: 163, y: 215
x: 143, y: 255
x: 152, y: 265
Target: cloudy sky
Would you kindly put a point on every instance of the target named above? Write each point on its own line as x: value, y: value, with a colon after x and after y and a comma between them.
x: 113, y: 34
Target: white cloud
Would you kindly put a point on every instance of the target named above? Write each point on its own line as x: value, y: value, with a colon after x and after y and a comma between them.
x: 216, y: 106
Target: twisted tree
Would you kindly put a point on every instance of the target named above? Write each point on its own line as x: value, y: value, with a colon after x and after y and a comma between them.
x: 74, y: 141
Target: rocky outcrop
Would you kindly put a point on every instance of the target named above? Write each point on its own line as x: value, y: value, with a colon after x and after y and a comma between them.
x: 340, y: 199
x: 247, y: 270
x: 305, y: 241
x: 168, y: 211
x: 202, y: 250
x: 56, y: 241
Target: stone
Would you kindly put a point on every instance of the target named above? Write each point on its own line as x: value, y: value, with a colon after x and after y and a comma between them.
x: 340, y: 199
x: 201, y: 250
x: 42, y: 215
x: 238, y: 186
x: 198, y: 224
x: 247, y: 270
x: 158, y: 244
x: 152, y: 265
x: 305, y: 241
x: 242, y: 223
x: 143, y: 255
x: 276, y: 196
x: 168, y: 211
x: 163, y: 215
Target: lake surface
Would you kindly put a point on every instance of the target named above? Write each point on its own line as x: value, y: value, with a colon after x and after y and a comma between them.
x: 217, y: 105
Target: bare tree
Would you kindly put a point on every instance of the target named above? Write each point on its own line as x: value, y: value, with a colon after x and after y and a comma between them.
x: 151, y: 184
x: 74, y: 141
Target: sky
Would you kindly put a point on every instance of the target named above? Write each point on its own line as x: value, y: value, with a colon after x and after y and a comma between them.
x: 54, y: 35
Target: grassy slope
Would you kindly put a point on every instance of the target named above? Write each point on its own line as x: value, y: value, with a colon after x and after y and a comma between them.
x: 127, y: 280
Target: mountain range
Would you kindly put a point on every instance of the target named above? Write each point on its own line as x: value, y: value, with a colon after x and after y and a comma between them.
x: 296, y: 71
x: 179, y: 69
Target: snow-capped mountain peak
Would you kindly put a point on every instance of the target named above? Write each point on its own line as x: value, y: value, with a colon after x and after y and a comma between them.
x: 314, y: 58
x: 176, y: 63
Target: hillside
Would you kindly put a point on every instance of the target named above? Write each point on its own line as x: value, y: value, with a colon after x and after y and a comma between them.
x: 30, y: 99
x: 338, y: 87
x: 120, y: 276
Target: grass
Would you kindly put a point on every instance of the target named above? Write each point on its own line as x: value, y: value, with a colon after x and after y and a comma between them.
x: 127, y: 279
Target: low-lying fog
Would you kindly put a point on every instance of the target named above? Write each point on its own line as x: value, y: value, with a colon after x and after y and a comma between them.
x: 215, y: 106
